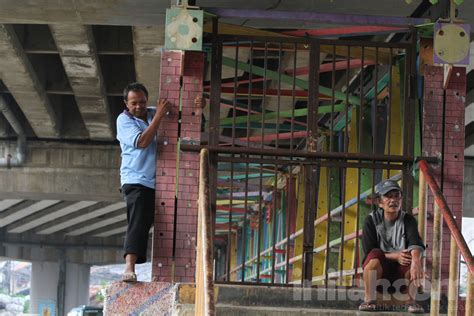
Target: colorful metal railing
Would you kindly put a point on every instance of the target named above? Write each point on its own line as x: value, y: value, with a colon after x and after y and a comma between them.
x: 297, y: 143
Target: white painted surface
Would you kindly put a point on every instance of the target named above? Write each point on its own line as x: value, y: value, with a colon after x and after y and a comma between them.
x: 51, y: 216
x: 97, y: 225
x: 41, y: 205
x: 83, y: 218
x: 6, y: 204
x: 112, y: 232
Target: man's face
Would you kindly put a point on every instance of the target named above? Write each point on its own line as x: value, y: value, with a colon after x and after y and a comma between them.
x: 391, y: 202
x: 136, y: 103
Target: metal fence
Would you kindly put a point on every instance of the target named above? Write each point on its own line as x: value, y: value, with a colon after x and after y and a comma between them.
x: 300, y: 132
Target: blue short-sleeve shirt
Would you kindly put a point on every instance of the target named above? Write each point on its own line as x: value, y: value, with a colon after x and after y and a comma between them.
x: 138, y: 164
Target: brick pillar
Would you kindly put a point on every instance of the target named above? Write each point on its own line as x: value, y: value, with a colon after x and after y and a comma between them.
x: 193, y: 64
x: 453, y: 148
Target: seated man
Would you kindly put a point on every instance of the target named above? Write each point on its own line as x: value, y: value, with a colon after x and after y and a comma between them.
x: 392, y: 246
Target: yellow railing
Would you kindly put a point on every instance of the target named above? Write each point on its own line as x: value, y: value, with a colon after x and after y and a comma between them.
x: 443, y: 212
x: 204, y: 297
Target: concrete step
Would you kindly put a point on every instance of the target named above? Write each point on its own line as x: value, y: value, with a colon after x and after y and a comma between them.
x: 231, y: 310
x: 156, y: 298
x: 291, y: 297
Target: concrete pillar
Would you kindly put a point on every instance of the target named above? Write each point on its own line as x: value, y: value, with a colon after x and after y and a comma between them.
x: 453, y: 142
x: 45, y: 283
x: 181, y: 267
x: 77, y: 285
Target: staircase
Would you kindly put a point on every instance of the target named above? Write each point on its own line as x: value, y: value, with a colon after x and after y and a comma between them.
x: 235, y: 298
x: 159, y: 298
x: 282, y: 301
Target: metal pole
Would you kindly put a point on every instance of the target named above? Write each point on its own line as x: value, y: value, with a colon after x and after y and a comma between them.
x: 422, y: 215
x: 422, y: 206
x: 214, y: 105
x: 204, y: 266
x: 199, y: 296
x: 311, y: 173
x: 470, y: 295
x: 453, y: 278
x: 436, y: 258
x: 304, y: 154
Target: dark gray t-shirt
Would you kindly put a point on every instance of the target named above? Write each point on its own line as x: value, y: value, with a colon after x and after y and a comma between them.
x: 391, y: 234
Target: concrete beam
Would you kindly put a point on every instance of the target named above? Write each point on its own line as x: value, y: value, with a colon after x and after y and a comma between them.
x: 147, y: 44
x: 120, y: 229
x: 46, y: 218
x: 6, y: 204
x: 19, y: 77
x: 99, y: 224
x: 68, y: 218
x: 84, y: 249
x: 85, y: 217
x: 79, y: 56
x: 118, y: 12
x: 4, y: 127
x: 470, y: 96
x: 67, y: 172
x: 19, y: 214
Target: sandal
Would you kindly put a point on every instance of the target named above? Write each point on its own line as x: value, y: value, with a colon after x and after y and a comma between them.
x: 368, y: 306
x: 129, y: 277
x: 415, y: 309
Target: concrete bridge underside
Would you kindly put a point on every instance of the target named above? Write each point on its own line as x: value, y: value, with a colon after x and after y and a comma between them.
x: 62, y: 70
x: 66, y: 196
x: 63, y: 65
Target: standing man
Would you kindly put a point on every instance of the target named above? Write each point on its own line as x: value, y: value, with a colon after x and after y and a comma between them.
x: 136, y: 132
x: 392, y: 246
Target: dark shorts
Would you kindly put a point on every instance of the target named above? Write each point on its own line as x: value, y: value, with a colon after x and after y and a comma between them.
x: 140, y: 202
x: 391, y: 270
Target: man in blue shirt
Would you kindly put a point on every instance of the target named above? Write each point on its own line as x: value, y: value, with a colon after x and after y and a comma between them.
x: 136, y: 132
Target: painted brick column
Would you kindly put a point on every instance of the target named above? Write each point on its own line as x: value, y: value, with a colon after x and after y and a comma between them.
x: 453, y: 148
x: 186, y: 222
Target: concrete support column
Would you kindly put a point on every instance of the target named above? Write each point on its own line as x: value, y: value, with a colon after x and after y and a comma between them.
x: 46, y: 286
x: 174, y: 259
x: 77, y: 285
x: 444, y: 138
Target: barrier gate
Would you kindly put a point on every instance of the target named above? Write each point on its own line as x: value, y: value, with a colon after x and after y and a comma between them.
x: 300, y: 132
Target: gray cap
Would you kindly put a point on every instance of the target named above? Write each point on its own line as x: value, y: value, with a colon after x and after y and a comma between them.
x: 386, y: 186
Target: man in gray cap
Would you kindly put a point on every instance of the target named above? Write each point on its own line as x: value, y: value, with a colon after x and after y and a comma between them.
x: 392, y: 247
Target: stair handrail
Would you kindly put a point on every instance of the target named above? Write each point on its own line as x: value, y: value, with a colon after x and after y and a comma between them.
x: 457, y: 241
x: 447, y: 215
x: 204, y: 295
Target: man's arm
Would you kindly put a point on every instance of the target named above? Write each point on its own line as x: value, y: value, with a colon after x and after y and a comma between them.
x: 415, y: 247
x: 402, y: 257
x: 412, y: 234
x: 162, y: 107
x: 416, y: 268
x: 369, y: 236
